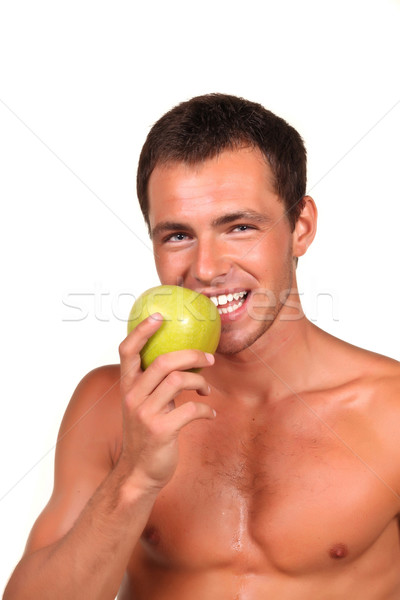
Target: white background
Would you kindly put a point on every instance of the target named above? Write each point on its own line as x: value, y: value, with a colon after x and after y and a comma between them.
x: 81, y: 82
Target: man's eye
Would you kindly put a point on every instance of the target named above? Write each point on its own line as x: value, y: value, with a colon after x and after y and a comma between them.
x: 242, y: 227
x: 175, y: 237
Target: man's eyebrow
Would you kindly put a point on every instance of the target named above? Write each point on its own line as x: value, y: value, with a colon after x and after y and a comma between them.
x: 165, y: 226
x: 247, y: 215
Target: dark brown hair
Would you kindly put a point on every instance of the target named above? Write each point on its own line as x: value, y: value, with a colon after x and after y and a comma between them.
x: 205, y: 126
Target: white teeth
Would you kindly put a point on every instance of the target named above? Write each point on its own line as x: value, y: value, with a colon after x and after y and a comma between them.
x: 224, y: 298
x: 231, y: 308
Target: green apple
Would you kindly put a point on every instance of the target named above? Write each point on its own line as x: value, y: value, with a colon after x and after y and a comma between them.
x: 190, y: 320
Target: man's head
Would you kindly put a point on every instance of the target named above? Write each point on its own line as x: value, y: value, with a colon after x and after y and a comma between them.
x: 205, y: 126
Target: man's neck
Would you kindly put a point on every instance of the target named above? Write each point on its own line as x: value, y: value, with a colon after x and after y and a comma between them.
x: 279, y: 363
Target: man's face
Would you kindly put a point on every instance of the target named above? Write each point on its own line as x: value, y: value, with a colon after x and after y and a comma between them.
x: 220, y: 228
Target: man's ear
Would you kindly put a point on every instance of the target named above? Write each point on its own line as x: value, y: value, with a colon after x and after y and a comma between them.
x: 305, y: 228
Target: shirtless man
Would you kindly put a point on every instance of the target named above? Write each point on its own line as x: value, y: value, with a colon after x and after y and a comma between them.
x: 285, y: 482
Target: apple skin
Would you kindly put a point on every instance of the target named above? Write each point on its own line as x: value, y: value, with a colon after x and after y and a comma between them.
x: 190, y: 321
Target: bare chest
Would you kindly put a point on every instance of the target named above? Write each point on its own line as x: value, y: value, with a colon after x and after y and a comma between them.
x: 291, y: 497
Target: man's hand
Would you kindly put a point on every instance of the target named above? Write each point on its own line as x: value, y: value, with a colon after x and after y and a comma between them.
x: 151, y: 421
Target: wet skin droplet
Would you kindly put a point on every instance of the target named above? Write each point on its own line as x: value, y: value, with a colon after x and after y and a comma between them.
x: 338, y: 551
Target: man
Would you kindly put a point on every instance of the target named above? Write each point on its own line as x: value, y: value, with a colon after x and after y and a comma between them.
x: 274, y: 472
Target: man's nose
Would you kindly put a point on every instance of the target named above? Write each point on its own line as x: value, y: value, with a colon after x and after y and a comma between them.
x: 210, y: 265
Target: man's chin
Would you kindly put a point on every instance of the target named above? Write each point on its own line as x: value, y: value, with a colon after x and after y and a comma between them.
x: 231, y: 344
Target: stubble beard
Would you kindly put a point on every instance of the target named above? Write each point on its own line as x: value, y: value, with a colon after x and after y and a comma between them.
x: 233, y: 344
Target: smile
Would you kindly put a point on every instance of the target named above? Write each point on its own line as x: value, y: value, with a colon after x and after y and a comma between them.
x: 229, y: 303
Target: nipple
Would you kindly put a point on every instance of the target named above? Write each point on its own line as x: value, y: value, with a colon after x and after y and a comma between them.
x: 338, y: 551
x: 151, y: 535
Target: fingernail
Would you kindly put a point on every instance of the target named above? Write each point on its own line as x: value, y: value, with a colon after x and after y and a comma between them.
x: 157, y: 316
x: 210, y: 358
x: 214, y: 413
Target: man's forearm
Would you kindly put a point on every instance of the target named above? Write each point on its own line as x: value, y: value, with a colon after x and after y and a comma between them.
x: 88, y: 563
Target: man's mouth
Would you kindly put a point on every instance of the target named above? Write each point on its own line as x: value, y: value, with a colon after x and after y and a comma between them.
x: 229, y: 303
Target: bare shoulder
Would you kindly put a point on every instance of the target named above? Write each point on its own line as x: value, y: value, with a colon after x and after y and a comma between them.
x: 378, y: 379
x: 364, y: 388
x: 371, y: 379
x: 102, y: 379
x: 375, y: 370
x: 351, y: 365
x: 95, y: 408
x: 86, y: 450
x: 98, y: 388
x: 377, y: 412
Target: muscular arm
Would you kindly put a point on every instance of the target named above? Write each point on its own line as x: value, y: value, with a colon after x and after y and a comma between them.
x: 68, y: 554
x: 81, y: 543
